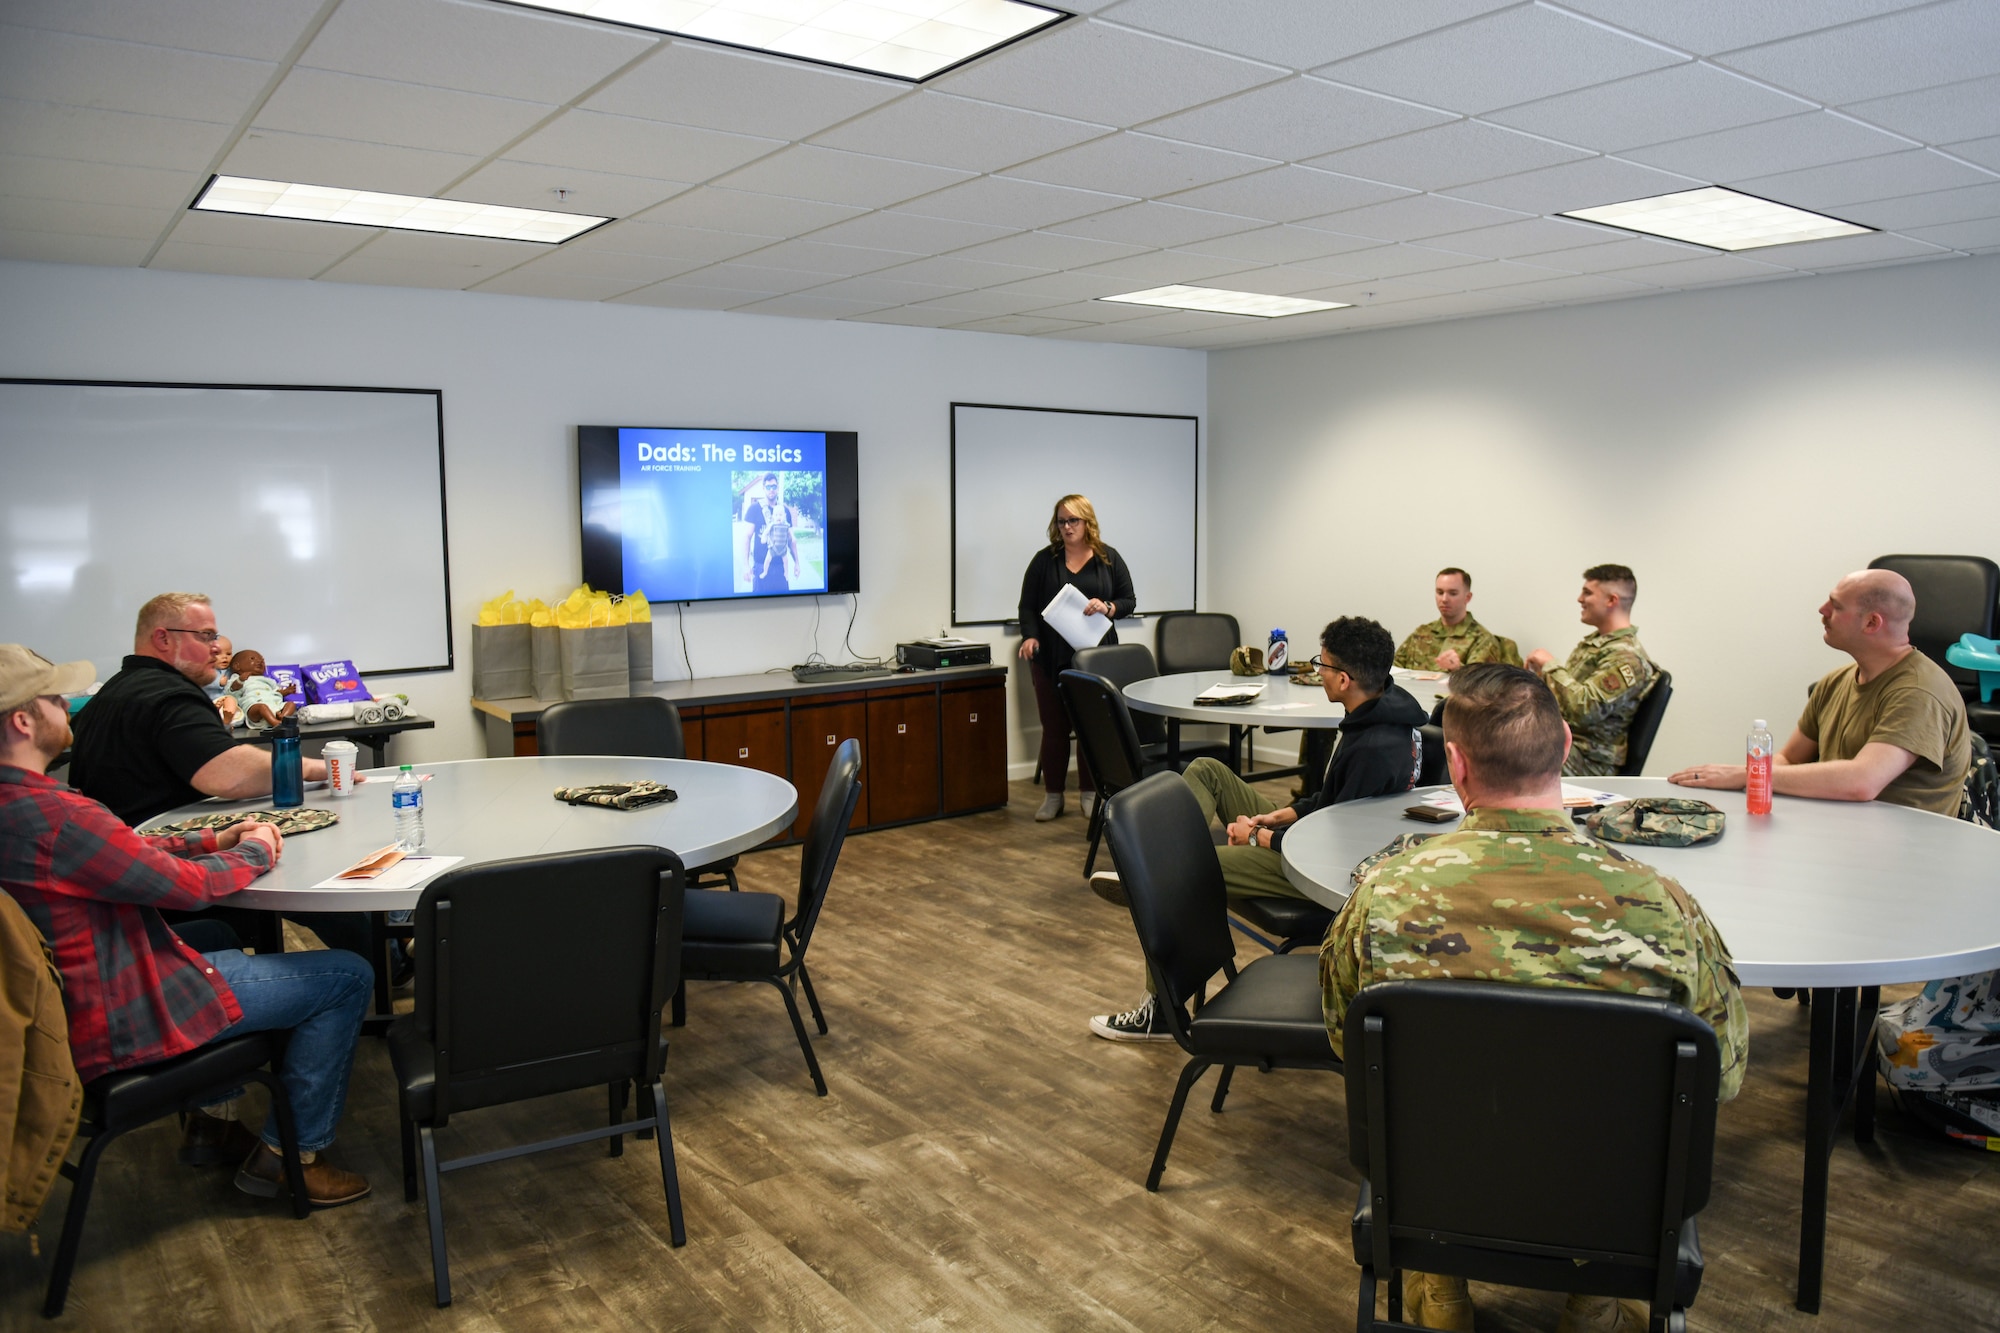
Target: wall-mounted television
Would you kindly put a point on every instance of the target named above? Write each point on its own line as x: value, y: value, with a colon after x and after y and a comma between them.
x: 697, y: 515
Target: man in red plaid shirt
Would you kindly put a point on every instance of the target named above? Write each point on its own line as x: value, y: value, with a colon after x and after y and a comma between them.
x: 135, y: 991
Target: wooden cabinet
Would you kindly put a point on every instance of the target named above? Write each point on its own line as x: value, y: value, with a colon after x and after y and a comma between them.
x: 748, y: 735
x: 902, y: 769
x: 972, y: 730
x: 819, y: 724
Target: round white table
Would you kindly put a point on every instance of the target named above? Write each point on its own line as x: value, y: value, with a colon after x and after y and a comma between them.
x: 1282, y: 704
x: 491, y: 809
x: 1831, y: 897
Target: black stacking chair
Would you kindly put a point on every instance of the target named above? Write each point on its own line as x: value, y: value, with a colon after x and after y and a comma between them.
x: 745, y: 936
x: 1956, y: 594
x: 1268, y: 1015
x: 130, y: 1099
x: 1434, y: 772
x: 1458, y: 1091
x: 500, y: 1019
x: 1201, y: 641
x: 1109, y: 741
x: 1646, y: 725
x: 1124, y: 663
x: 641, y: 727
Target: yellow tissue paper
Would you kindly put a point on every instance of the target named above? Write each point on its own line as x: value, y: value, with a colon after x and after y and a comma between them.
x: 641, y: 610
x: 503, y: 610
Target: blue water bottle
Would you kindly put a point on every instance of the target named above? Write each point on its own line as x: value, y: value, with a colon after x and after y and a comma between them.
x: 288, y: 782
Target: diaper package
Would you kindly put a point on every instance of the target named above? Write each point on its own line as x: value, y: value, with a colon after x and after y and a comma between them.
x: 335, y: 683
x: 290, y: 680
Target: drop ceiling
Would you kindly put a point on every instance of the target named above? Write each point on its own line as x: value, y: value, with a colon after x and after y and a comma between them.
x: 1407, y: 157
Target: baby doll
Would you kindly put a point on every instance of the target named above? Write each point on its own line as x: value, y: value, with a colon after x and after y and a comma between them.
x: 253, y: 694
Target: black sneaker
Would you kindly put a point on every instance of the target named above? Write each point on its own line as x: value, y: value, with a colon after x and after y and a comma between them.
x: 1146, y: 1023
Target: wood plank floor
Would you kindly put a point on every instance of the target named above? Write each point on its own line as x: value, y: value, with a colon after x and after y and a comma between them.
x: 979, y: 1164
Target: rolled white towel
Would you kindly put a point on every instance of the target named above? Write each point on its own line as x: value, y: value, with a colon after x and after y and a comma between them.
x: 368, y: 713
x: 392, y: 710
x: 326, y: 712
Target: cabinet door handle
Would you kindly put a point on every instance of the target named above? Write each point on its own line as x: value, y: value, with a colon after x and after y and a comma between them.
x: 830, y: 740
x: 743, y: 753
x: 975, y: 717
x: 901, y: 728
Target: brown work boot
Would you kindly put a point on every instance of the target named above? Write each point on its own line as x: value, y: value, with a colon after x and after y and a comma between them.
x: 209, y: 1141
x: 1601, y: 1314
x: 1433, y: 1300
x: 327, y: 1186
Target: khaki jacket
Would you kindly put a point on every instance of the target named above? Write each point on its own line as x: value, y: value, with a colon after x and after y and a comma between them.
x: 40, y: 1095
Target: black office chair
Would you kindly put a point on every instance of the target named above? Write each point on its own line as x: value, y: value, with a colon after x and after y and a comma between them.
x: 1109, y: 741
x: 130, y: 1099
x: 1124, y: 664
x: 1268, y: 1015
x: 499, y: 1019
x: 745, y: 936
x: 1195, y: 641
x: 1956, y: 594
x: 1433, y: 771
x: 1646, y: 725
x: 641, y: 727
x: 1458, y: 1091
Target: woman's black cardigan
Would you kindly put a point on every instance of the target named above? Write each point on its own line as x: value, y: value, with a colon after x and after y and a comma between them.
x: 1105, y: 578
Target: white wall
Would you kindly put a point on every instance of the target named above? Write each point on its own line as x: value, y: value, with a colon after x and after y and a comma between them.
x: 518, y: 373
x: 1741, y: 448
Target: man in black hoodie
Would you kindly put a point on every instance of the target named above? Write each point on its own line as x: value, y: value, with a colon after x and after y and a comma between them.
x: 1377, y: 751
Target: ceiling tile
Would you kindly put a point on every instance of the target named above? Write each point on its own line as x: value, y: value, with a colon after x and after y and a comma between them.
x: 1914, y: 48
x: 1701, y: 272
x: 347, y: 106
x: 1791, y: 144
x: 1280, y: 245
x: 1001, y: 201
x: 1675, y: 103
x: 1287, y: 194
x: 836, y: 261
x: 1394, y: 261
x: 534, y: 185
x: 42, y: 66
x: 1041, y: 249
x: 257, y: 29
x: 187, y: 257
x: 831, y: 176
x: 753, y: 278
x: 20, y: 213
x: 1095, y: 312
x: 1575, y: 287
x: 1155, y: 224
x: 1482, y: 277
x: 46, y: 129
x: 911, y: 316
x: 948, y: 131
x: 1028, y: 324
x: 1443, y: 306
x: 954, y: 271
x: 471, y: 251
x: 886, y: 291
x: 1950, y: 114
x: 95, y: 182
x: 1585, y: 184
x: 1513, y: 56
x: 1985, y: 152
x: 1928, y: 210
x: 630, y: 270
x: 500, y: 49
x: 1163, y: 268
x: 236, y: 231
x: 374, y: 270
x: 65, y: 247
x: 972, y: 305
x: 695, y: 246
x: 1278, y: 280
x: 891, y: 229
x: 809, y: 305
x: 1295, y: 33
x: 1068, y: 287
x: 713, y: 208
x: 531, y: 281
x: 1063, y: 72
x: 1980, y: 234
x: 270, y: 155
x: 629, y: 147
x: 1920, y: 171
x: 1456, y: 154
x: 1600, y: 256
x: 685, y: 296
x: 716, y: 88
x: 1708, y: 26
x: 1299, y: 118
x: 1533, y: 236
x: 1843, y: 251
x: 1141, y: 165
x: 1416, y: 216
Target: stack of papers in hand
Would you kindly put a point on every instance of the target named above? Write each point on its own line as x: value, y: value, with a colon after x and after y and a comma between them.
x: 1229, y: 694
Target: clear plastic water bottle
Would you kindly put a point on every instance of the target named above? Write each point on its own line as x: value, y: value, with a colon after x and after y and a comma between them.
x: 1276, y: 653
x: 406, y: 801
x: 1757, y: 760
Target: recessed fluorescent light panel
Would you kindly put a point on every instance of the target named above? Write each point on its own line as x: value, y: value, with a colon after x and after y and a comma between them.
x: 367, y: 208
x: 1222, y: 302
x: 1720, y: 219
x: 905, y: 39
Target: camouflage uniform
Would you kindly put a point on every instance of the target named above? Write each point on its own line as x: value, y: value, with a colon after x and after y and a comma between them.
x: 1522, y: 896
x: 1599, y: 689
x: 1474, y: 642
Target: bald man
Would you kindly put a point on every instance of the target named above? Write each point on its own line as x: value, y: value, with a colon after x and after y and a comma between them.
x: 1890, y: 728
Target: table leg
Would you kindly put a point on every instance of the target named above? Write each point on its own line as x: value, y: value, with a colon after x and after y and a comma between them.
x: 1174, y: 743
x: 1840, y: 1061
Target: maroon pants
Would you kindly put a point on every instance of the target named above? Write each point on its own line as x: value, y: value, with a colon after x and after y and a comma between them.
x: 1055, y: 736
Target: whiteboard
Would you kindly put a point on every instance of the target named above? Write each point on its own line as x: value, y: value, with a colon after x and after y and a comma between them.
x: 1009, y: 466
x: 314, y: 517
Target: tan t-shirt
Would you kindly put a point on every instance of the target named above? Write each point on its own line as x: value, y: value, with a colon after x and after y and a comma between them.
x: 1912, y: 705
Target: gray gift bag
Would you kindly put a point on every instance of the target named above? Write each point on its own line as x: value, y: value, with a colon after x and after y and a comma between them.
x: 639, y: 652
x: 593, y: 662
x: 547, y: 654
x: 501, y: 668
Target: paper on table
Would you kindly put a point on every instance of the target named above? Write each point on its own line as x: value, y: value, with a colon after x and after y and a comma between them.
x: 1065, y: 615
x: 405, y: 874
x: 1446, y: 798
x: 1227, y: 693
x: 1588, y: 796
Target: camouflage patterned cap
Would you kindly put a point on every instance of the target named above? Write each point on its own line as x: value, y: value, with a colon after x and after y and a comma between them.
x: 288, y: 822
x: 1657, y: 821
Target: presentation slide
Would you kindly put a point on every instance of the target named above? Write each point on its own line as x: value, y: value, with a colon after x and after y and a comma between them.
x: 722, y: 513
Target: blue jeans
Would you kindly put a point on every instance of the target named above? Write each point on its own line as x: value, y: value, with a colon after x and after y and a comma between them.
x: 321, y: 996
